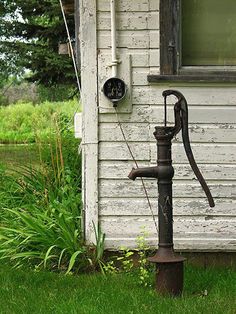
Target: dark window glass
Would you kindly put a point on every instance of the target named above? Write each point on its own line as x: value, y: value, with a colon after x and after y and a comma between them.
x: 208, y: 32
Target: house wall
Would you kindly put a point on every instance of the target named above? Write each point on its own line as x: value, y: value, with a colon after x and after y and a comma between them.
x: 110, y: 198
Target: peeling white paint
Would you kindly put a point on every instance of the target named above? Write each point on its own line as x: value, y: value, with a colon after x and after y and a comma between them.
x: 112, y: 199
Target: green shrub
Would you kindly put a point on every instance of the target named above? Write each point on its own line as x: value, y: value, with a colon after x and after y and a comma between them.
x: 25, y: 122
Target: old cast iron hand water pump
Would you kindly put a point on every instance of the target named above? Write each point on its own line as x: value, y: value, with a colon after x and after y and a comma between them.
x: 169, y: 276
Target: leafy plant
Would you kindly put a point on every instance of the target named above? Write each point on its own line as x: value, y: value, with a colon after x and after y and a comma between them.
x: 125, y: 262
x: 144, y: 273
x: 40, y: 207
x: 100, y: 238
x: 110, y: 268
x: 95, y: 252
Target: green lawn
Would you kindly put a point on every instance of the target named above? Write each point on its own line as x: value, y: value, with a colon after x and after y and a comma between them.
x: 206, y: 291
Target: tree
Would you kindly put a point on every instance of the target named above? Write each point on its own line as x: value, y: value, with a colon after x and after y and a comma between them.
x: 30, y: 31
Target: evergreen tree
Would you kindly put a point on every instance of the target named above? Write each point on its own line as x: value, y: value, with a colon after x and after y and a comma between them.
x: 30, y: 32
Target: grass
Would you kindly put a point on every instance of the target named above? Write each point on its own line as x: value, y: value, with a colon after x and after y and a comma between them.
x: 14, y: 155
x: 22, y: 291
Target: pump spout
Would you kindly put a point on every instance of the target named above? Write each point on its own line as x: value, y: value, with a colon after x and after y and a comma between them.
x: 149, y: 172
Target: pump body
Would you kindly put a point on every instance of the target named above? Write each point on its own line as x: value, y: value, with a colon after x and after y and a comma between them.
x: 169, y: 276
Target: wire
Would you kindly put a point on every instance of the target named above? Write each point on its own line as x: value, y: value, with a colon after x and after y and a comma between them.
x: 72, y: 56
x: 70, y: 45
x: 136, y: 164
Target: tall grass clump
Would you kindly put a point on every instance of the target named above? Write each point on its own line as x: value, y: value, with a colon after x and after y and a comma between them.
x: 40, y: 219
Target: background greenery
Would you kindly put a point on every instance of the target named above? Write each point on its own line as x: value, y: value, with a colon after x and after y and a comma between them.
x: 26, y: 122
x: 40, y: 201
x: 30, y: 32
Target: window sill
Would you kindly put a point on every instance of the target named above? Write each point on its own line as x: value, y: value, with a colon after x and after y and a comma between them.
x: 194, y: 78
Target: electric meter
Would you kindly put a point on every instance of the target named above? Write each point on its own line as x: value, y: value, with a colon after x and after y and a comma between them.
x: 114, y: 89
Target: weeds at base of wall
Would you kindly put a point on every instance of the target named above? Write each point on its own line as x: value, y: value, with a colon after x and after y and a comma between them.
x: 125, y: 262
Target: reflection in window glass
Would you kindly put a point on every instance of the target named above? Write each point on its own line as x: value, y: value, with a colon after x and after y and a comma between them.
x: 208, y: 32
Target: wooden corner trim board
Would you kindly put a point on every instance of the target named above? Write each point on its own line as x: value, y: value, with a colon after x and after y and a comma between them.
x: 88, y: 44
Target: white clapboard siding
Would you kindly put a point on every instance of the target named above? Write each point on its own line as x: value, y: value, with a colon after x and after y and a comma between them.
x: 120, y: 169
x: 188, y: 189
x: 194, y: 233
x: 225, y: 207
x: 200, y: 114
x: 194, y: 243
x: 141, y: 58
x: 142, y: 132
x: 129, y: 20
x: 139, y: 114
x: 199, y: 95
x: 139, y: 76
x: 110, y: 132
x: 208, y: 114
x: 130, y: 6
x: 204, y: 152
x: 120, y: 205
x: 119, y: 151
x: 125, y: 226
x: 130, y: 39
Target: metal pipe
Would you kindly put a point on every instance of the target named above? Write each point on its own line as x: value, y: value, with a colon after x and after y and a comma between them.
x: 149, y: 172
x: 114, y: 61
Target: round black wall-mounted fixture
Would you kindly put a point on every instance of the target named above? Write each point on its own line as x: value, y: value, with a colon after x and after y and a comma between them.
x: 114, y: 89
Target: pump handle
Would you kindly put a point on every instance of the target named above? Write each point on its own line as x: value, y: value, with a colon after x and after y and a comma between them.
x: 181, y: 122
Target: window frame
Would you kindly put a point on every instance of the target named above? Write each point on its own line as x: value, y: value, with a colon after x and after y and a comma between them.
x: 170, y: 52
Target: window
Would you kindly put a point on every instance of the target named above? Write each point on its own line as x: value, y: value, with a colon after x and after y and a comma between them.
x: 208, y: 32
x: 197, y: 40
